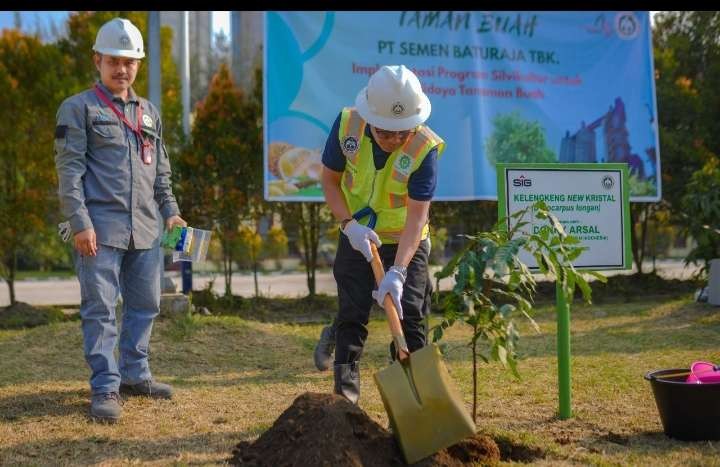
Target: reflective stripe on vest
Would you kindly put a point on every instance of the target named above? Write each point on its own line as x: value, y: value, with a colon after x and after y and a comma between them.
x: 351, y: 132
x: 414, y: 148
x: 396, y: 201
x: 348, y: 179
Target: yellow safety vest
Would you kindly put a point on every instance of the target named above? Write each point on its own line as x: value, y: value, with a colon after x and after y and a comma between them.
x: 384, y: 190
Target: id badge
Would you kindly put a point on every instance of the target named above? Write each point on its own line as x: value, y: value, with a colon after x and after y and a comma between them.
x: 147, y: 153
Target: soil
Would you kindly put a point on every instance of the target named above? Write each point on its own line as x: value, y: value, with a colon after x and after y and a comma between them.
x: 327, y: 430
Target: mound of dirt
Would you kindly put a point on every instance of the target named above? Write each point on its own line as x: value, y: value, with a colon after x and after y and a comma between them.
x: 327, y: 430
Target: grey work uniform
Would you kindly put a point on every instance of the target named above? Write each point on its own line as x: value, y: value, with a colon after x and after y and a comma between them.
x: 105, y: 185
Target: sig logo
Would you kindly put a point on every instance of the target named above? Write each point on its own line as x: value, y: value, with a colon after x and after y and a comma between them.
x: 522, y: 181
x: 608, y: 182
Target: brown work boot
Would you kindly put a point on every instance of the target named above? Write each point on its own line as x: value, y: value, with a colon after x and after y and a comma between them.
x: 147, y: 388
x: 106, y: 407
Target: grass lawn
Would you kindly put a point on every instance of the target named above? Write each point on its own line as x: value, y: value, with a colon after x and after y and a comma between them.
x: 42, y: 275
x: 233, y: 377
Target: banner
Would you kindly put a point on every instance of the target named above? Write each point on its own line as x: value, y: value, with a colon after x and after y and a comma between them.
x: 505, y: 87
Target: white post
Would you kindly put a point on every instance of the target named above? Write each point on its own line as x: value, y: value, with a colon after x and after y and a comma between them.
x: 185, y: 79
x: 714, y: 283
x: 185, y: 71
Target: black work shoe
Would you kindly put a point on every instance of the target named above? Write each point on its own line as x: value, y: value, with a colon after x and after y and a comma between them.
x: 324, y: 349
x: 347, y: 381
x: 147, y: 388
x: 106, y: 407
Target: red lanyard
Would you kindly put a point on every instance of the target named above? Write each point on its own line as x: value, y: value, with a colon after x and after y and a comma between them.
x: 144, y: 155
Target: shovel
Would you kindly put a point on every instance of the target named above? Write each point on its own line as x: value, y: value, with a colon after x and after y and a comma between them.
x: 426, y: 411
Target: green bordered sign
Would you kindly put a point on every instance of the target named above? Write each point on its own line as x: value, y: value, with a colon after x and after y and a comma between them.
x: 590, y: 200
x: 592, y: 203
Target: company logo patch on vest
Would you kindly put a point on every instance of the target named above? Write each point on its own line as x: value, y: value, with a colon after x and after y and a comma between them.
x: 403, y: 164
x: 350, y: 145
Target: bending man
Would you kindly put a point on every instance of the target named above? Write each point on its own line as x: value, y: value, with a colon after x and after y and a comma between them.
x: 379, y: 175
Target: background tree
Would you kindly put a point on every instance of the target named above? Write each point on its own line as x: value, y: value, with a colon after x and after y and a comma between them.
x: 459, y: 217
x: 220, y: 173
x: 645, y: 219
x: 220, y: 49
x: 48, y: 251
x: 660, y: 234
x: 276, y: 244
x: 33, y: 77
x: 307, y: 221
x: 701, y: 205
x: 438, y: 239
x: 687, y: 76
x: 517, y: 140
x: 249, y: 249
x: 686, y: 46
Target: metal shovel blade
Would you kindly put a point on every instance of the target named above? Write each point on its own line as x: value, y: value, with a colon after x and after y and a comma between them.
x: 426, y: 411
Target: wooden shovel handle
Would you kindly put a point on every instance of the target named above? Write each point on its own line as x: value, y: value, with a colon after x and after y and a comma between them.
x: 390, y: 310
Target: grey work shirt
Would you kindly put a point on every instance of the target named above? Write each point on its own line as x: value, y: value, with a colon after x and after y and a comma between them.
x: 103, y: 182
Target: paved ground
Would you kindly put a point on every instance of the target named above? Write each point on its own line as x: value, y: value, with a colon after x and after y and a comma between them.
x: 67, y: 291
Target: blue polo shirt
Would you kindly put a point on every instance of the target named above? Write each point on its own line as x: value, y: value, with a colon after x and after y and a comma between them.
x: 421, y: 184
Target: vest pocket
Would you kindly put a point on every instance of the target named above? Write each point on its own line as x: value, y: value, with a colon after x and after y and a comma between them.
x: 105, y: 127
x: 391, y: 222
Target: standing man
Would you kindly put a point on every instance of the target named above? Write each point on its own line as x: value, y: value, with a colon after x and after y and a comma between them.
x: 114, y: 186
x: 379, y: 175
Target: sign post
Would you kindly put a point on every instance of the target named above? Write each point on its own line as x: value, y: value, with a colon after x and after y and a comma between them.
x: 563, y: 352
x: 591, y: 201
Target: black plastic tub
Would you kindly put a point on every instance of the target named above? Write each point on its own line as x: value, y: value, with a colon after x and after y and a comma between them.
x: 689, y: 412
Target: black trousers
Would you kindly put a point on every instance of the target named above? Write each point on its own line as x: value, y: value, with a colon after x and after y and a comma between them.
x: 355, y: 283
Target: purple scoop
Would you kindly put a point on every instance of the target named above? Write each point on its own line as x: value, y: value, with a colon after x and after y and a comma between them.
x: 704, y: 372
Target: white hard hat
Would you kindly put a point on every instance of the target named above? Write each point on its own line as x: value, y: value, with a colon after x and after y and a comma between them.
x: 393, y: 100
x: 119, y: 38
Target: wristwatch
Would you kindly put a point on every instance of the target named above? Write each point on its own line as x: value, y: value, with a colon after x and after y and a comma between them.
x: 344, y: 222
x: 400, y: 269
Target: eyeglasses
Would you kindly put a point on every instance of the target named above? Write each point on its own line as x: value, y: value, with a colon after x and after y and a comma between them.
x: 385, y: 134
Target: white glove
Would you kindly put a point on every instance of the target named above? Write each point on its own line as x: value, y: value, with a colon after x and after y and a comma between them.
x: 391, y: 284
x: 360, y: 237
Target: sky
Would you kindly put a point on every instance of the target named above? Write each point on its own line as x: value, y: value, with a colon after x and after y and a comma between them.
x: 221, y: 22
x: 31, y: 19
